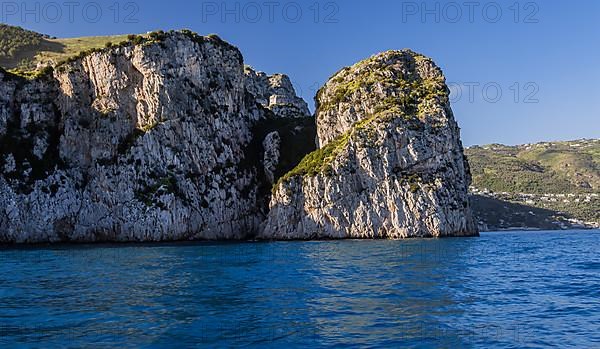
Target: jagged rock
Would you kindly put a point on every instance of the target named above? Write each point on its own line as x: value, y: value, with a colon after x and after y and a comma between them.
x: 390, y: 163
x: 138, y: 142
x: 276, y: 93
x: 172, y: 138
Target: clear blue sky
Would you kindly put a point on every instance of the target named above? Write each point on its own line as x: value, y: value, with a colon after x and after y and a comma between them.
x: 546, y: 53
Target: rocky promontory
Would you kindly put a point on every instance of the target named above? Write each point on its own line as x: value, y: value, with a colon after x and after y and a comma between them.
x: 390, y: 163
x: 170, y: 137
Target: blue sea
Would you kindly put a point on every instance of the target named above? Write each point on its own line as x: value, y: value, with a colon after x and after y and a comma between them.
x: 501, y: 290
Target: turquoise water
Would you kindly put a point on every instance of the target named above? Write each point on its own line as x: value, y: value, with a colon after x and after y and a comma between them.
x: 502, y: 290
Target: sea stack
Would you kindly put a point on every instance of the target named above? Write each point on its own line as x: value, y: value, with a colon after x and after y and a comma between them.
x: 390, y: 162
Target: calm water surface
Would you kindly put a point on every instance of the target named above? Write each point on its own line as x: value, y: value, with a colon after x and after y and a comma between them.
x: 502, y: 290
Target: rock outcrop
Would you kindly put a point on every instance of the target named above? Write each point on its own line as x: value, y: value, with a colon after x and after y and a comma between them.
x: 146, y: 141
x: 170, y: 137
x: 276, y: 93
x: 390, y: 163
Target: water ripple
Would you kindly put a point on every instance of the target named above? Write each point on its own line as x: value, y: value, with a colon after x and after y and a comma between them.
x: 503, y: 290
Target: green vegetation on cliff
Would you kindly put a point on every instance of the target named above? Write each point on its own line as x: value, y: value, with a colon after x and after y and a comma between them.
x: 318, y: 161
x: 407, y: 95
x: 30, y: 55
x: 373, y: 72
x: 23, y: 52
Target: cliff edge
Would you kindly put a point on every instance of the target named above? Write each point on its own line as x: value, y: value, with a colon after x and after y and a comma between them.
x: 152, y: 139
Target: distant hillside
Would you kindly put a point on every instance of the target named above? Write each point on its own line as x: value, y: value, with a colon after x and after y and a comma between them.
x: 23, y: 51
x: 553, y: 167
x: 515, y: 186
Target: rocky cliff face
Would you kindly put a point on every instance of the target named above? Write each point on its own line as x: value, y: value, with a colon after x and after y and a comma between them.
x: 276, y: 93
x: 146, y: 141
x: 390, y: 163
x: 170, y: 137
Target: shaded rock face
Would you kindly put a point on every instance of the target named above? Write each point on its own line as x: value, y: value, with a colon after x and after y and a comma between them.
x: 144, y: 142
x: 272, y: 147
x: 390, y: 163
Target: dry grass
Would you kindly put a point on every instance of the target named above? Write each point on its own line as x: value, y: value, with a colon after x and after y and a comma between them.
x: 57, y: 50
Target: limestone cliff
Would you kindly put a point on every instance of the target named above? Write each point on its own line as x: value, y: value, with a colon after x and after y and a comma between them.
x: 390, y: 163
x: 169, y: 136
x: 148, y: 140
x: 276, y: 93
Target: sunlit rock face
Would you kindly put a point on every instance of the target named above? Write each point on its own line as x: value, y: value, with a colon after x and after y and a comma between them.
x: 390, y: 163
x: 138, y: 142
x: 171, y: 137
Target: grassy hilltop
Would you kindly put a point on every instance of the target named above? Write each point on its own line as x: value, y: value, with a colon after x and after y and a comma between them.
x: 22, y: 50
